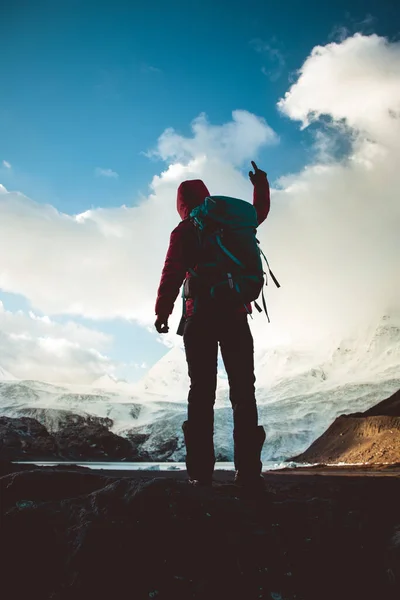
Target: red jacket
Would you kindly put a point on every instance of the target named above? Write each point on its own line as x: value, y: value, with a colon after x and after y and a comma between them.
x: 183, y: 246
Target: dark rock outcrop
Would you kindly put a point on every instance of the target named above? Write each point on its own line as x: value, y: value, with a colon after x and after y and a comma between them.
x: 78, y: 438
x: 89, y: 438
x: 371, y: 437
x: 69, y: 535
x: 221, y: 457
x: 25, y: 439
x: 162, y: 449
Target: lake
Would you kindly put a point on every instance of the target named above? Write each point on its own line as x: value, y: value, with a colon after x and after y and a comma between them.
x: 146, y: 466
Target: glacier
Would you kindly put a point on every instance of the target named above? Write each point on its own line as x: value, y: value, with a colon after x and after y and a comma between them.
x: 299, y: 393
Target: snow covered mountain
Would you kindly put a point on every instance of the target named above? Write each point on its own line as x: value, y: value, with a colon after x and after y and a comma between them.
x: 167, y: 378
x: 299, y: 394
x: 107, y: 381
x: 6, y: 376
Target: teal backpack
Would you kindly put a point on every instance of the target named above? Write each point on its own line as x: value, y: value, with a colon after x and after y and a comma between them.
x: 230, y: 270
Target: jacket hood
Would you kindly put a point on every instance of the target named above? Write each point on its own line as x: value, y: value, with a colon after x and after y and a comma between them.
x: 191, y: 193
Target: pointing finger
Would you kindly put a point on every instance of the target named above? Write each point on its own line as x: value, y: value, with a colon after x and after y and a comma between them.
x: 254, y: 165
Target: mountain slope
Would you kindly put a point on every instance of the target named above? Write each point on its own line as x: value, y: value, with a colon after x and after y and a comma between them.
x: 299, y: 394
x: 6, y: 375
x: 369, y: 437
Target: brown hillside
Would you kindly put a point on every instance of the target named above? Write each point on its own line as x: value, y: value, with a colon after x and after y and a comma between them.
x: 369, y: 437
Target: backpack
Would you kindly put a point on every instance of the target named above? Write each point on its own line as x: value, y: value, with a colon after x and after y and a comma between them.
x: 230, y: 270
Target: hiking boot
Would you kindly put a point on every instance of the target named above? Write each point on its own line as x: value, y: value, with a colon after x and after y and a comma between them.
x: 200, y: 457
x: 247, y: 456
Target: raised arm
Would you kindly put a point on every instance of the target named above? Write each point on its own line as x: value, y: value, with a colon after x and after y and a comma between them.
x: 261, y: 194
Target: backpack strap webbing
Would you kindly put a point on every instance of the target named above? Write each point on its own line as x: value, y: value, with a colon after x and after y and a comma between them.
x: 258, y: 307
x: 181, y: 325
x: 274, y: 279
x: 265, y: 305
x: 228, y: 253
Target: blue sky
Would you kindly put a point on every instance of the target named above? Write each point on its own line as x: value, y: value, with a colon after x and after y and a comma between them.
x: 88, y: 87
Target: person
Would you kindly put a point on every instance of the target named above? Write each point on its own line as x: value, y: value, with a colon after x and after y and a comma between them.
x: 204, y: 328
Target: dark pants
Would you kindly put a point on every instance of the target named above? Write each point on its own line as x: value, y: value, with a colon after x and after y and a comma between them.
x: 202, y: 334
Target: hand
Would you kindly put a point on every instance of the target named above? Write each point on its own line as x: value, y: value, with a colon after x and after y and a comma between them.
x: 258, y: 176
x: 161, y: 324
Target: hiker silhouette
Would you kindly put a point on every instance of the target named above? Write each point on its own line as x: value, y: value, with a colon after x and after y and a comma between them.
x: 209, y: 252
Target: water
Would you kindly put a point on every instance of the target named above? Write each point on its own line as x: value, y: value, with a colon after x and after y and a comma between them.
x: 146, y: 466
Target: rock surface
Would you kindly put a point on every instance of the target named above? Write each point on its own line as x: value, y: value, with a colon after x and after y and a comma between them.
x: 70, y: 534
x: 25, y: 438
x: 89, y: 438
x: 79, y: 438
x: 370, y: 437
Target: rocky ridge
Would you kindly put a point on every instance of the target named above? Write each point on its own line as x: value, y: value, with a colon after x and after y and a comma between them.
x: 371, y: 437
x: 78, y: 438
x: 74, y: 534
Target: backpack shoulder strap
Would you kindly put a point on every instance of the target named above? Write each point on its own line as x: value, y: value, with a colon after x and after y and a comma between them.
x: 228, y: 253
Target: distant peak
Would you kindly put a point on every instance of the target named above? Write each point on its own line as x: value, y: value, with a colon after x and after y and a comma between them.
x: 6, y: 375
x: 107, y: 380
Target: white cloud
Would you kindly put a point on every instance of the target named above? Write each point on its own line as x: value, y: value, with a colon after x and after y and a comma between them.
x: 356, y: 80
x: 274, y: 56
x: 34, y: 347
x: 150, y: 69
x: 6, y: 164
x: 106, y: 173
x: 234, y: 142
x: 332, y: 235
x: 334, y: 229
x: 142, y: 365
x: 106, y: 263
